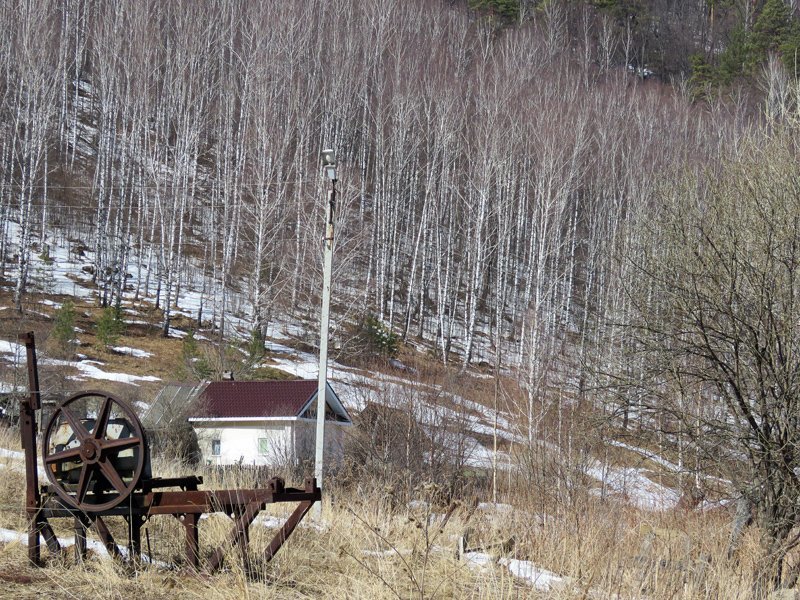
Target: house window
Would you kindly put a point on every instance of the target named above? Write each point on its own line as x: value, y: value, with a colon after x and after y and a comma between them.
x: 215, y: 447
x: 262, y: 446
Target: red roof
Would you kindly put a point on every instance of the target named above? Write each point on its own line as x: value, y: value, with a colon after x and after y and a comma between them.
x: 249, y: 399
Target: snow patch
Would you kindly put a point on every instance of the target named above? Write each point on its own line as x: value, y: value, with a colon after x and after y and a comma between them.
x: 541, y: 579
x: 10, y: 388
x: 647, y: 454
x: 17, y: 350
x: 304, y: 369
x: 536, y: 577
x: 9, y: 535
x: 270, y: 521
x: 92, y: 372
x: 135, y: 352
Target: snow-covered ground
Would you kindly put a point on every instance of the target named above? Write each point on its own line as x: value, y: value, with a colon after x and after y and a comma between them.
x: 13, y: 352
x: 634, y: 486
x: 60, y: 271
x: 647, y: 454
x: 89, y: 369
x: 8, y: 536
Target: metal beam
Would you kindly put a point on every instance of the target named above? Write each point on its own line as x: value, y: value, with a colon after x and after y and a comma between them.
x: 27, y: 429
x: 106, y: 537
x: 239, y: 535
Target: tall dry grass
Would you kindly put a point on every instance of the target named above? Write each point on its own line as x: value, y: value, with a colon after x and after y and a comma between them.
x: 367, y: 546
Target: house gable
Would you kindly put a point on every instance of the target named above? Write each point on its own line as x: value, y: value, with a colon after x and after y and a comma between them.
x: 335, y: 410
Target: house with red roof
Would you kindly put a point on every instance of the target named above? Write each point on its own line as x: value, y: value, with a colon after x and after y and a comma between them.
x: 271, y: 423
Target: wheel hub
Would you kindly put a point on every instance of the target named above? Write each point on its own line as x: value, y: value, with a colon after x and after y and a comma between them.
x: 90, y: 451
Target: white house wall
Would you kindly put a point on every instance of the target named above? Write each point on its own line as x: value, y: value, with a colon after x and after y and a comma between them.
x: 239, y: 442
x: 287, y: 441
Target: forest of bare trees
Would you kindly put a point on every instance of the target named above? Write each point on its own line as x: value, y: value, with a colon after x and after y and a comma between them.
x: 485, y: 172
x: 502, y: 188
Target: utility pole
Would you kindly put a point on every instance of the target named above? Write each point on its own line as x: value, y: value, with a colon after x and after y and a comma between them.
x: 329, y: 167
x: 497, y: 363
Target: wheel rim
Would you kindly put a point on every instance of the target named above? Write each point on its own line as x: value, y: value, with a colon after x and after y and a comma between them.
x: 94, y: 451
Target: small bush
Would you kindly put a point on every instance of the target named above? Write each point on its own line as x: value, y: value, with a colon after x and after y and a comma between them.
x: 63, y: 332
x: 110, y: 326
x: 177, y: 441
x: 256, y: 348
x: 45, y: 255
x: 194, y: 364
x: 380, y: 337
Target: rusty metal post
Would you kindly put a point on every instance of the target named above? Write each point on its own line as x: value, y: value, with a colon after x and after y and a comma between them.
x: 49, y: 535
x: 192, y: 540
x: 286, y: 530
x: 27, y: 428
x: 243, y: 536
x: 33, y: 371
x: 80, y: 540
x: 105, y: 536
x: 135, y: 537
x: 288, y: 527
x: 239, y: 535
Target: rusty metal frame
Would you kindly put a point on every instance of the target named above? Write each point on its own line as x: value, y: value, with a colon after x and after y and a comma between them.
x: 149, y: 499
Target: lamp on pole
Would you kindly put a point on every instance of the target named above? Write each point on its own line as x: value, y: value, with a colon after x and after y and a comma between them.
x: 329, y: 169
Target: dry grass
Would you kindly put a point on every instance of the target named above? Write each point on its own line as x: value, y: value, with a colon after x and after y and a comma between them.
x: 366, y: 548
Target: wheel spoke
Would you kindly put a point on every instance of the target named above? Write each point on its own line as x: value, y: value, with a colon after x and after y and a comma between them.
x: 112, y: 476
x: 63, y: 455
x: 119, y: 444
x: 101, y: 423
x: 76, y: 424
x: 83, y: 482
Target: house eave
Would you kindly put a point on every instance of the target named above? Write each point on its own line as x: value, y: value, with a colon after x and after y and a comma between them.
x: 260, y: 420
x: 239, y: 419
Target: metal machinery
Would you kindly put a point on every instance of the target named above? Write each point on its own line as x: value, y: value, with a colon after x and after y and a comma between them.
x: 97, y: 461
